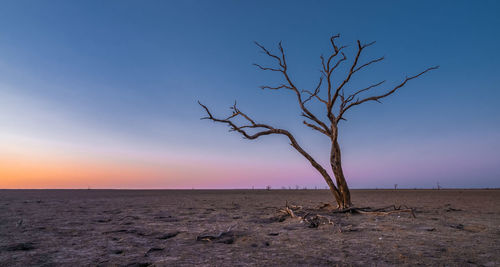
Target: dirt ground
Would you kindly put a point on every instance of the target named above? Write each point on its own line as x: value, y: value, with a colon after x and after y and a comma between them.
x: 245, y: 227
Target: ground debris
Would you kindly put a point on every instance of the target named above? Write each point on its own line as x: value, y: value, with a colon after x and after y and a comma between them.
x: 305, y: 216
x: 169, y: 235
x: 127, y: 231
x: 226, y: 237
x: 117, y: 251
x: 103, y: 220
x: 223, y: 237
x: 427, y: 228
x: 457, y: 226
x: 153, y: 249
x: 449, y: 209
x: 138, y: 264
x: 21, y: 247
x: 323, y: 215
x: 378, y: 211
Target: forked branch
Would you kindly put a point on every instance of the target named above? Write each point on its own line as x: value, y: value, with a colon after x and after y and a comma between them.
x: 264, y: 129
x: 345, y: 106
x: 353, y: 69
x: 289, y: 84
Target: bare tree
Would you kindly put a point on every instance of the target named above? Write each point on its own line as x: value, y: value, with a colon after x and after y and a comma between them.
x: 336, y: 103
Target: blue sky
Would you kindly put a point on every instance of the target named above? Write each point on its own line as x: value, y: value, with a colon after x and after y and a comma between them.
x: 118, y: 81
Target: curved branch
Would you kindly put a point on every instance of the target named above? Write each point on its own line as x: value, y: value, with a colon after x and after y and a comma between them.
x: 326, y: 67
x: 269, y: 130
x: 315, y: 93
x: 265, y: 68
x: 314, y: 127
x: 377, y: 98
x: 290, y: 85
x: 351, y: 97
x: 268, y: 53
x: 349, y: 75
x: 369, y: 63
x: 275, y: 87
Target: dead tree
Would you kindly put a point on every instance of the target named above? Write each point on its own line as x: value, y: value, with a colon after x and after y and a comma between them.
x: 336, y: 103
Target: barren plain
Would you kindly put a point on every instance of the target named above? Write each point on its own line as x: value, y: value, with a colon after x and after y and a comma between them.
x: 246, y: 227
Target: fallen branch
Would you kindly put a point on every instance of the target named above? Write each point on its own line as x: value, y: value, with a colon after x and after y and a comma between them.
x: 378, y: 211
x: 289, y: 211
x: 314, y: 221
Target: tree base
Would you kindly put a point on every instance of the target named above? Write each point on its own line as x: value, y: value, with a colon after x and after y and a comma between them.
x: 323, y: 214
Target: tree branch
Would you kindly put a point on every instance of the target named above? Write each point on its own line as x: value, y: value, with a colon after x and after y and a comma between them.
x: 377, y: 98
x: 269, y: 53
x: 268, y: 130
x: 369, y: 63
x: 275, y: 87
x: 290, y: 85
x: 326, y: 67
x: 315, y: 93
x: 349, y: 75
x: 316, y: 128
x: 351, y: 97
x: 266, y: 68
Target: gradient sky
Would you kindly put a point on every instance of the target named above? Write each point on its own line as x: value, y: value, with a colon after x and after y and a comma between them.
x: 102, y: 94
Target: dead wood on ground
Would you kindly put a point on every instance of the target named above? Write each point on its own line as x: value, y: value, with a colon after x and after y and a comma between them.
x: 323, y: 215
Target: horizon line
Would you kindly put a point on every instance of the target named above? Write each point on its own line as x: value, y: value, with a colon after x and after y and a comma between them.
x: 261, y: 189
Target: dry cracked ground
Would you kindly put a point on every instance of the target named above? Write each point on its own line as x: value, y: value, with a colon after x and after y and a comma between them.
x: 245, y: 227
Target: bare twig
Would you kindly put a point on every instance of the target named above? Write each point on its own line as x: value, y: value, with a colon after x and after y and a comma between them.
x: 377, y: 98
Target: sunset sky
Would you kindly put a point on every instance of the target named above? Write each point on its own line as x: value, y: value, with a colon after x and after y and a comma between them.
x: 103, y: 94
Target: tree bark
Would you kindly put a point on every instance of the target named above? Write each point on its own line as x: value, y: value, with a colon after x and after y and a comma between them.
x: 344, y: 201
x: 335, y: 191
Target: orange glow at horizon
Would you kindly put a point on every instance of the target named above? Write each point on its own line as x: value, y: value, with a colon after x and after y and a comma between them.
x: 35, y: 172
x: 34, y: 163
x: 54, y: 173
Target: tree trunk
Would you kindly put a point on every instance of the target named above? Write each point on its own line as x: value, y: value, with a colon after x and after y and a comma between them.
x: 336, y: 193
x: 336, y: 163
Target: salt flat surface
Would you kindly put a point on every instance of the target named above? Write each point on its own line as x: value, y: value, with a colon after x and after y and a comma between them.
x: 244, y: 227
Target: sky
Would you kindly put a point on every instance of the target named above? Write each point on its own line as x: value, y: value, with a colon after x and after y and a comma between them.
x: 103, y: 94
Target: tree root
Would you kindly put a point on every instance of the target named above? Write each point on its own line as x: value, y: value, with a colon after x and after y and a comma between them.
x: 314, y: 220
x: 378, y: 211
